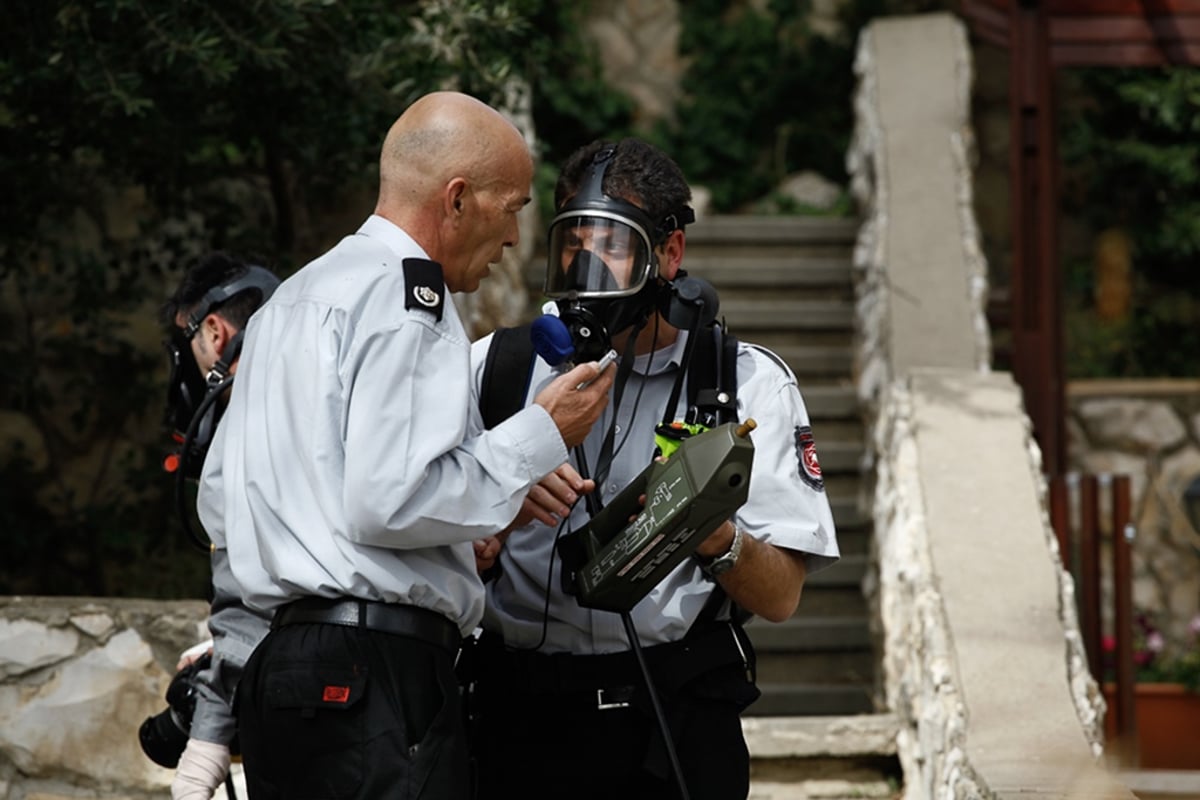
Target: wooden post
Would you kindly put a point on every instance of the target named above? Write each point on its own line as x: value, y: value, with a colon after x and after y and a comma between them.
x: 1036, y: 275
x: 1126, y: 713
x: 1089, y: 573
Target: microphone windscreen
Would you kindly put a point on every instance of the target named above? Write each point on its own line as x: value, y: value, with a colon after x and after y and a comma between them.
x: 551, y: 339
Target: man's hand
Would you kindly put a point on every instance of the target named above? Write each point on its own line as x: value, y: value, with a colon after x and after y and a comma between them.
x: 548, y: 502
x: 202, y: 768
x: 575, y: 410
x: 487, y: 550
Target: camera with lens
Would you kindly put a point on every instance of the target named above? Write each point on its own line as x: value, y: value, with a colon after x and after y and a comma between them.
x: 164, y: 735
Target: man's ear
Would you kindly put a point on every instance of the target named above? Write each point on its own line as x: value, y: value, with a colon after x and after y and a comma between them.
x: 455, y: 198
x: 217, y: 331
x: 671, y: 257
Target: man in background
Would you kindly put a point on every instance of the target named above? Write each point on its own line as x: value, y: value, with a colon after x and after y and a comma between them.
x: 207, y: 316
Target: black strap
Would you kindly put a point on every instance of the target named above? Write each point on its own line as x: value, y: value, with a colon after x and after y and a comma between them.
x: 502, y: 392
x: 712, y: 376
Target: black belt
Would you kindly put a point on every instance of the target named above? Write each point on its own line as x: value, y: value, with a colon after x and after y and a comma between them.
x: 672, y: 665
x: 401, y: 620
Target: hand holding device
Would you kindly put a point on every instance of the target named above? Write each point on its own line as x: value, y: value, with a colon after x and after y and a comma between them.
x: 607, y: 359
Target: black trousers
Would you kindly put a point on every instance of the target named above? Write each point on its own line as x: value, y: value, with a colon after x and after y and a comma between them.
x: 327, y: 711
x: 552, y: 739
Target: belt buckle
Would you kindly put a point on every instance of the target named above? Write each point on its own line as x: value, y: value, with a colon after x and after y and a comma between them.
x: 609, y: 699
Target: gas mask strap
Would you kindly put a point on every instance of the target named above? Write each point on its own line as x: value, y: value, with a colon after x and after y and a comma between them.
x: 220, y: 370
x: 677, y: 390
x: 604, y: 460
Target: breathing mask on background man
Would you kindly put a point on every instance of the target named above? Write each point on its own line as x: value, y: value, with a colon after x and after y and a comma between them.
x: 602, y: 271
x: 193, y: 409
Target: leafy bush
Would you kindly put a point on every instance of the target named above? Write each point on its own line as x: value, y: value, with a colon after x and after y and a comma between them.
x: 1132, y: 163
x: 208, y: 125
x: 764, y: 96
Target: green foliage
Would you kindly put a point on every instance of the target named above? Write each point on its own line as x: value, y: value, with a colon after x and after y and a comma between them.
x: 764, y: 96
x: 224, y: 124
x: 1132, y: 156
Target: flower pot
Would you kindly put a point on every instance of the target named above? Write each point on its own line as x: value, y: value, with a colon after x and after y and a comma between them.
x: 1168, y: 724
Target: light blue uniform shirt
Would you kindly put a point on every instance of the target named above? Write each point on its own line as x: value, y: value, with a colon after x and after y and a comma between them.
x: 784, y: 508
x: 351, y: 460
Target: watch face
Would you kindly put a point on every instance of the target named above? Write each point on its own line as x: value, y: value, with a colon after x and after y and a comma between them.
x: 721, y: 565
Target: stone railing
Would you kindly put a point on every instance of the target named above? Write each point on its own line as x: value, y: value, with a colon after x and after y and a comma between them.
x: 982, y: 659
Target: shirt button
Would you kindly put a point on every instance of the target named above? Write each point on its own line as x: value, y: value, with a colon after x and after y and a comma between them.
x: 616, y: 428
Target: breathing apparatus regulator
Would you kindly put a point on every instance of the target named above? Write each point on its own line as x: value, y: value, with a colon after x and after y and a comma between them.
x: 193, y: 410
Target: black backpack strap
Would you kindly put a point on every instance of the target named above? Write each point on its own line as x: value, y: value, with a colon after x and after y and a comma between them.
x: 712, y: 390
x: 712, y: 375
x: 502, y: 390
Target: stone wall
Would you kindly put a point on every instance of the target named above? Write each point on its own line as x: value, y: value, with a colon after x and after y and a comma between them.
x: 1150, y: 431
x: 77, y: 678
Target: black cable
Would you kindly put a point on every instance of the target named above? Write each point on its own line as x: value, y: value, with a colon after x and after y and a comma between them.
x: 594, y: 507
x: 229, y: 791
x: 659, y: 714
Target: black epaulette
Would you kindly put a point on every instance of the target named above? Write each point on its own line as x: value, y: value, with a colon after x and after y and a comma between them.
x: 424, y: 286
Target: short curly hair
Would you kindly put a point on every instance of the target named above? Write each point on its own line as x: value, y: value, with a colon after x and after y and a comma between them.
x: 639, y: 173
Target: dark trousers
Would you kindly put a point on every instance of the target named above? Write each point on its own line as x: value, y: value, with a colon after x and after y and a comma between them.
x: 539, y: 736
x: 327, y: 711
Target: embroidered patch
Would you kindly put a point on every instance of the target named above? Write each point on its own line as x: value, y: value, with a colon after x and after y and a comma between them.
x: 336, y: 694
x: 426, y: 288
x: 806, y: 454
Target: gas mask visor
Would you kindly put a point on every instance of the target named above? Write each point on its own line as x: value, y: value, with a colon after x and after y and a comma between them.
x: 597, y: 254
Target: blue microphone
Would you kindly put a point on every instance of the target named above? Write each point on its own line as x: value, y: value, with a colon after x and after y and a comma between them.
x: 551, y: 339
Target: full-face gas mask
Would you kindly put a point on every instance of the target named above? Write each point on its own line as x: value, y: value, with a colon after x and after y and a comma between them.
x: 602, y: 271
x: 192, y: 409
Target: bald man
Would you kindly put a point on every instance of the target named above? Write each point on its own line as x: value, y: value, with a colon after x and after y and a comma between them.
x: 352, y: 473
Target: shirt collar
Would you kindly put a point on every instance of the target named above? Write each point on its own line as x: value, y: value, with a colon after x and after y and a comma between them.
x: 663, y: 359
x: 392, y: 236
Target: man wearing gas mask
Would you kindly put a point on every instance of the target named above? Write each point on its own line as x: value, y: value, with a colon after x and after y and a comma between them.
x: 562, y: 706
x: 207, y: 316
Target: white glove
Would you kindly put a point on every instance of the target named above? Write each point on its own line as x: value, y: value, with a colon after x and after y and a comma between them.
x: 201, y: 769
x: 193, y: 653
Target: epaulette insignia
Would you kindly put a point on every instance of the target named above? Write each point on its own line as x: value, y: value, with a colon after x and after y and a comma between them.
x: 424, y: 286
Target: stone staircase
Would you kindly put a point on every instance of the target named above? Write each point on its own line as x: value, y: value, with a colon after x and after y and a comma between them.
x: 785, y: 283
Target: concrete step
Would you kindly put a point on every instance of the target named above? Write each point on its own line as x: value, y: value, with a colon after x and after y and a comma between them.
x: 828, y: 757
x: 839, y: 455
x: 812, y: 360
x: 838, y: 668
x: 790, y: 698
x: 765, y: 231
x: 833, y: 601
x: 808, y: 633
x: 747, y: 315
x: 791, y: 269
x: 848, y: 571
x: 829, y: 401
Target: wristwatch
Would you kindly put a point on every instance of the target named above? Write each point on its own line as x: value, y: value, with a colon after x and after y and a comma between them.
x: 725, y: 562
